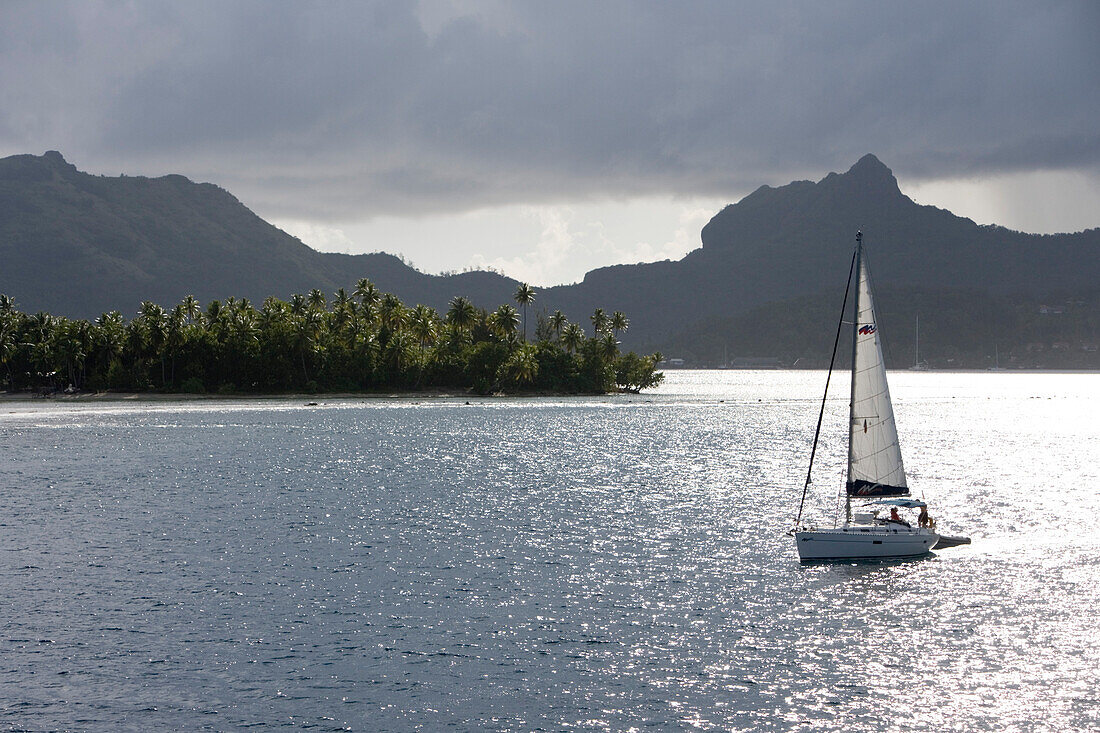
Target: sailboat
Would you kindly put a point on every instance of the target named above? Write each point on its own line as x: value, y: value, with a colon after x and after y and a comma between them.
x: 996, y: 360
x: 876, y: 476
x: 918, y: 365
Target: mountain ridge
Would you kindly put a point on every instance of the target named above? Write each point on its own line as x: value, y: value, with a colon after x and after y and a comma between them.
x: 77, y: 244
x: 133, y: 238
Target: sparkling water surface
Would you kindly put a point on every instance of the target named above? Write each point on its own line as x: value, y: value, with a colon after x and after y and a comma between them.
x: 614, y: 563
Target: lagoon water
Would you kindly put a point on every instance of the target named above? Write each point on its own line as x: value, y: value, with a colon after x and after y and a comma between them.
x: 613, y: 563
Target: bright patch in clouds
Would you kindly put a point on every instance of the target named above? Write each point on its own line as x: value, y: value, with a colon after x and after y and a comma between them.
x: 1037, y: 201
x: 574, y: 239
x: 320, y: 237
x: 544, y: 245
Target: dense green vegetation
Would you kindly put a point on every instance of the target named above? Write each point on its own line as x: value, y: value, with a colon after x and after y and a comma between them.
x: 361, y: 341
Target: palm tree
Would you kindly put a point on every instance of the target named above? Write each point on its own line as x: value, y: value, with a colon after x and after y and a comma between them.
x: 213, y: 314
x: 244, y: 342
x: 609, y: 347
x: 68, y: 347
x: 462, y: 314
x: 558, y: 322
x: 85, y: 332
x: 191, y: 307
x: 618, y: 322
x: 43, y: 354
x: 7, y: 349
x: 344, y: 321
x: 10, y: 320
x: 109, y: 338
x: 273, y: 312
x: 367, y: 293
x: 316, y: 299
x: 525, y: 295
x: 153, y: 325
x: 572, y: 337
x: 504, y: 320
x: 393, y: 312
x: 307, y: 330
x: 174, y: 334
x: 423, y: 323
x: 599, y: 322
x: 297, y: 304
x: 522, y: 366
x: 399, y: 351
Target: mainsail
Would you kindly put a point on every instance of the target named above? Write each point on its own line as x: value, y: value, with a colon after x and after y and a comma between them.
x: 874, y: 456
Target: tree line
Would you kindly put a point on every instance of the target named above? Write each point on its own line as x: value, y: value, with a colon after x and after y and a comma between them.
x: 362, y: 341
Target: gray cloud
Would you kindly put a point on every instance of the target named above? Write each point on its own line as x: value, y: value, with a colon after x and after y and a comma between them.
x: 344, y: 111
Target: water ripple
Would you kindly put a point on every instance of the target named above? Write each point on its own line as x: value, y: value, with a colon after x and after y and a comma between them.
x: 544, y: 564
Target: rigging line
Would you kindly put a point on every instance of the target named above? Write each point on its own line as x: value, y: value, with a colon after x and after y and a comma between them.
x: 821, y: 415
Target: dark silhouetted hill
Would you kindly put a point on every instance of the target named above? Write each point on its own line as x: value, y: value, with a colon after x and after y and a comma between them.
x: 78, y: 244
x: 783, y: 244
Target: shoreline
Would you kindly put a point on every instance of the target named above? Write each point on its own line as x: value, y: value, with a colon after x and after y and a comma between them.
x: 440, y: 394
x: 109, y: 396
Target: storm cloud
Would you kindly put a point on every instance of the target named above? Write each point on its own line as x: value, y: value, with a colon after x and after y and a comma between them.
x: 345, y: 111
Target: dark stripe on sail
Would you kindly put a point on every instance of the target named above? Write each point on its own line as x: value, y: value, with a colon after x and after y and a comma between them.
x: 861, y: 487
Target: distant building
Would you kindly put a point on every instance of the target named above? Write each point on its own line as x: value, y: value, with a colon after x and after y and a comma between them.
x: 671, y: 364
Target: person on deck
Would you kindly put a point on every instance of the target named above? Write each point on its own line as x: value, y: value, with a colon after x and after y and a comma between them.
x: 922, y: 518
x: 895, y: 517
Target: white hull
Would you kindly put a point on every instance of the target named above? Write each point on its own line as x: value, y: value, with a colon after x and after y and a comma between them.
x: 855, y: 542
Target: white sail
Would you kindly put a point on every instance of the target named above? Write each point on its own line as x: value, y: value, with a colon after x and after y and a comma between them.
x: 874, y: 456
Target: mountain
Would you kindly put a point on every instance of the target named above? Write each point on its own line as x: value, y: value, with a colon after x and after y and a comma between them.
x: 802, y: 226
x: 785, y: 243
x: 78, y: 244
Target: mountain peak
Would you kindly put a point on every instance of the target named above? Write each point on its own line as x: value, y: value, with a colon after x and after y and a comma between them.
x: 868, y: 162
x: 870, y: 169
x: 866, y: 193
x: 35, y: 168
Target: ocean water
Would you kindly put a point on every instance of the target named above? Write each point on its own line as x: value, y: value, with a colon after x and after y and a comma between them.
x: 594, y: 564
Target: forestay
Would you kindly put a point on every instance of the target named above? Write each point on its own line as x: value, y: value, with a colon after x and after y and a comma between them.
x: 874, y: 456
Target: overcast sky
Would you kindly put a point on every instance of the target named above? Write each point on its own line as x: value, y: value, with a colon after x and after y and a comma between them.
x: 548, y: 138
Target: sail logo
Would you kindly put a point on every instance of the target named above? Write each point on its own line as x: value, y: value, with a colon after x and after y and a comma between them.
x: 867, y: 330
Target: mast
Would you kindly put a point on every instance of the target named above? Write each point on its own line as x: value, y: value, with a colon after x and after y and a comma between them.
x: 852, y: 401
x: 825, y: 396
